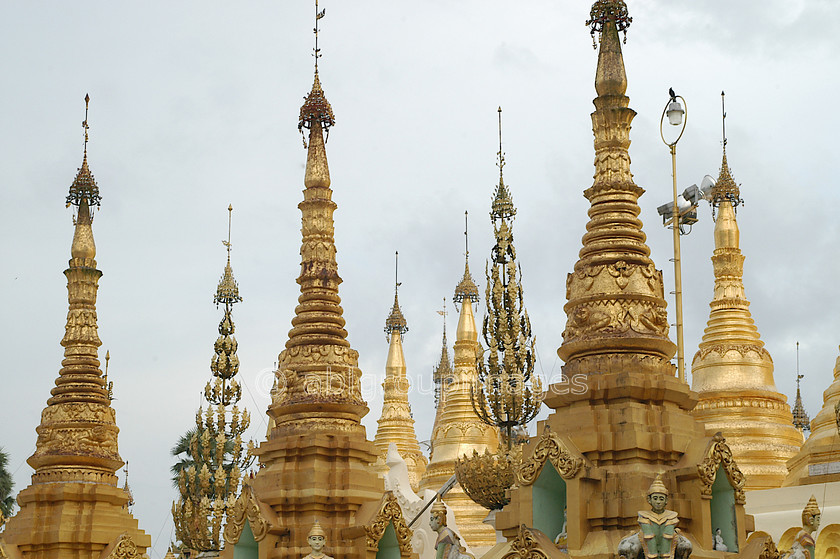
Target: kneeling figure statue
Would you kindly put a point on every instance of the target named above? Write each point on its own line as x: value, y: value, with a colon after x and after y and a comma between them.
x: 448, y: 544
x: 803, y: 546
x: 659, y: 537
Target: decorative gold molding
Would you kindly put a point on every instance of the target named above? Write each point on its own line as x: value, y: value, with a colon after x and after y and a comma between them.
x: 769, y: 551
x: 525, y: 546
x: 549, y: 447
x: 125, y: 549
x: 719, y: 454
x: 389, y: 512
x: 245, y: 508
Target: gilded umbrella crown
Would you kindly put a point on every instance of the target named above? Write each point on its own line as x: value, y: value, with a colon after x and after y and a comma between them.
x: 396, y: 323
x: 466, y: 288
x: 84, y: 186
x: 725, y: 187
x: 604, y: 11
x: 227, y: 292
x: 316, y: 108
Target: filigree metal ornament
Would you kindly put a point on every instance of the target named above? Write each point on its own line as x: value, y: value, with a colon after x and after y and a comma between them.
x: 316, y: 108
x: 245, y: 508
x: 389, y: 513
x: 486, y: 477
x: 769, y: 550
x: 549, y: 448
x: 719, y: 454
x: 125, y: 549
x: 525, y: 546
x: 608, y: 10
x: 84, y: 186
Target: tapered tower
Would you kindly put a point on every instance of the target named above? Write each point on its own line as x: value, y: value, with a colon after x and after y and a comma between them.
x: 315, y: 463
x: 621, y: 417
x: 396, y: 425
x: 74, y: 507
x: 818, y: 460
x: 732, y: 371
x: 458, y: 430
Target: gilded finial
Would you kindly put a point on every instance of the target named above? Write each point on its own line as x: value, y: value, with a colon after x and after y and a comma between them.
x: 316, y: 108
x: 227, y: 292
x: 725, y: 188
x: 800, y: 417
x: 109, y: 386
x: 466, y: 288
x: 84, y: 186
x: 608, y: 10
x: 396, y: 323
x: 502, y: 206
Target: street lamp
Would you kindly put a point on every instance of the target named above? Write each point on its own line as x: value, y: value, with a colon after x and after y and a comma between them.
x: 675, y: 113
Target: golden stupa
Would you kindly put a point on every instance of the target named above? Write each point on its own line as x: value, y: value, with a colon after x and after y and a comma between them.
x: 621, y: 417
x: 818, y: 460
x: 74, y: 507
x: 732, y: 371
x: 458, y: 430
x: 396, y: 424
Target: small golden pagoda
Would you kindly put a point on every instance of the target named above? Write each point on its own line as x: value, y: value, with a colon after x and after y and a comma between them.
x: 74, y: 507
x: 458, y: 430
x: 396, y: 424
x: 442, y: 374
x: 732, y: 371
x: 620, y: 417
x: 315, y: 464
x: 818, y: 460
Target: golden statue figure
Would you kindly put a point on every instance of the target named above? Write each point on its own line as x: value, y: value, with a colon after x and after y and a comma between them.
x: 448, y: 543
x: 317, y: 540
x: 804, y: 546
x: 658, y: 537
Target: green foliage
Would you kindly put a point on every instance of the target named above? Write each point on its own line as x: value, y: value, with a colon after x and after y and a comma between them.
x: 7, y: 500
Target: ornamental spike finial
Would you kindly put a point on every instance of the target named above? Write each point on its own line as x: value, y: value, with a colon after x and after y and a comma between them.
x: 316, y: 108
x: 466, y: 288
x: 502, y: 206
x: 84, y: 190
x: 396, y: 323
x: 227, y: 292
x: 725, y: 189
x: 800, y: 417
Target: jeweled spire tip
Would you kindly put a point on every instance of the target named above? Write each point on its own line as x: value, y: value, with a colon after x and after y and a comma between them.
x: 227, y: 292
x: 466, y: 288
x: 396, y: 323
x: 608, y: 10
x: 84, y: 186
x: 316, y: 108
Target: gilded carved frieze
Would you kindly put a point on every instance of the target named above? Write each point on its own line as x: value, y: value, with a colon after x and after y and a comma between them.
x: 769, y: 551
x: 389, y: 512
x: 719, y: 454
x: 549, y: 447
x: 126, y: 549
x: 616, y: 317
x: 99, y: 440
x: 245, y: 508
x: 724, y: 347
x: 525, y: 546
x: 614, y: 278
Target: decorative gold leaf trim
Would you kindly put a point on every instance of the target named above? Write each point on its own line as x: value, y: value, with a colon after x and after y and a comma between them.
x: 389, y: 512
x: 245, y: 508
x: 719, y: 454
x: 125, y: 549
x: 549, y: 447
x: 769, y: 551
x: 525, y: 546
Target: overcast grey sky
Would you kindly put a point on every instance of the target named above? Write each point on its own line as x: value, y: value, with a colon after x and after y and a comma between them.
x: 194, y: 106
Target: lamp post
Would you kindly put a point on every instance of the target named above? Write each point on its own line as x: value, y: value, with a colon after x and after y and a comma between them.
x: 675, y: 113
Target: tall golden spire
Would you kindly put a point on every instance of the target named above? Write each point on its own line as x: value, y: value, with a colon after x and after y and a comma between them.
x: 318, y: 442
x: 822, y: 448
x: 619, y: 407
x: 76, y: 456
x: 732, y: 371
x: 396, y: 424
x: 615, y: 295
x: 800, y: 417
x: 442, y: 373
x: 458, y: 430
